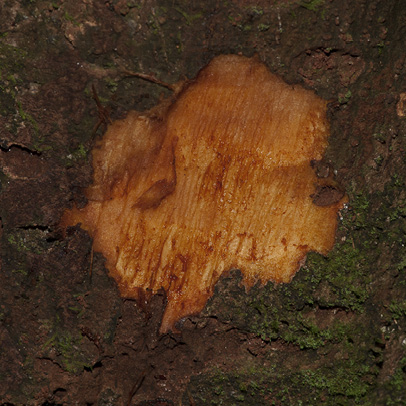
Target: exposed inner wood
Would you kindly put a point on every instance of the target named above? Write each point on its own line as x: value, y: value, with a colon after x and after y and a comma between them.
x: 215, y: 179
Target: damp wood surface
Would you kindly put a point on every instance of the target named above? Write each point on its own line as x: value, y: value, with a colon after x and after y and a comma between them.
x: 218, y: 177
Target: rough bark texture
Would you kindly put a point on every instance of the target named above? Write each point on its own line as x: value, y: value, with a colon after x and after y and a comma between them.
x: 334, y: 336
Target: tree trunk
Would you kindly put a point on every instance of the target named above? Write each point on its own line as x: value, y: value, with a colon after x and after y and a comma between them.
x: 334, y: 335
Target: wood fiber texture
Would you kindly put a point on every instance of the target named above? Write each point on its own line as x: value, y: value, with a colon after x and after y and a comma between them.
x: 218, y: 177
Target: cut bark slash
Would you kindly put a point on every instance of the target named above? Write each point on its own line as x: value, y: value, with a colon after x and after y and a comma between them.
x: 218, y: 177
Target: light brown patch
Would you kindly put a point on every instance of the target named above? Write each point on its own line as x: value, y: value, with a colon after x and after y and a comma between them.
x: 218, y: 178
x: 401, y: 105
